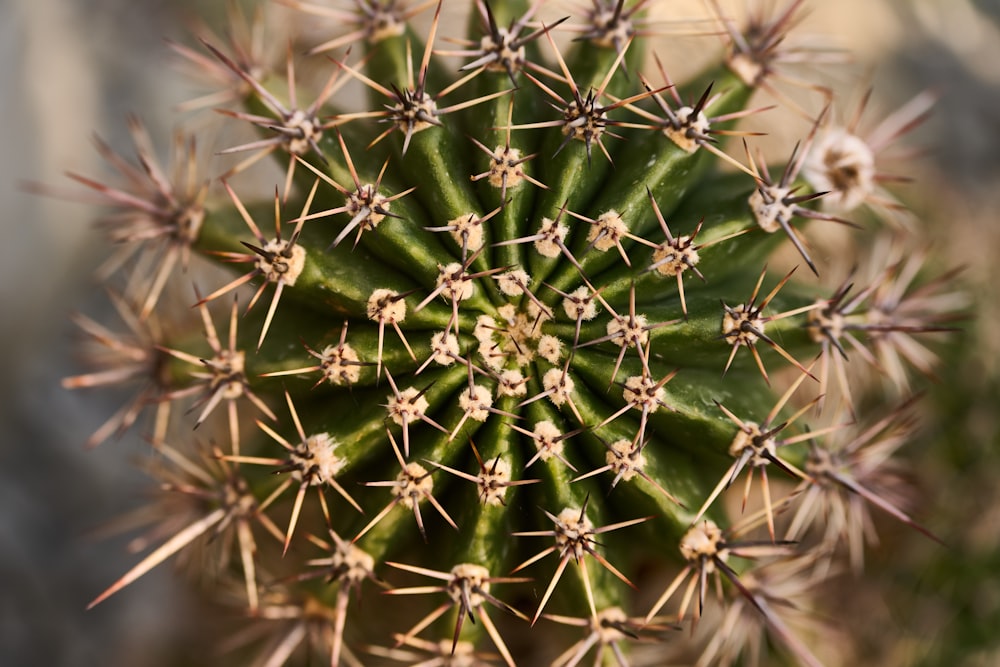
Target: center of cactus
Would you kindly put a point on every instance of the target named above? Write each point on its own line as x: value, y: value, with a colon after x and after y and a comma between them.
x: 515, y: 337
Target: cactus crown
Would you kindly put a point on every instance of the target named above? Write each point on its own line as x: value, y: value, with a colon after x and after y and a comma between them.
x: 518, y: 328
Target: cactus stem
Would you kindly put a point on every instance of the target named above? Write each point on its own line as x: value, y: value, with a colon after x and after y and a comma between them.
x: 455, y: 303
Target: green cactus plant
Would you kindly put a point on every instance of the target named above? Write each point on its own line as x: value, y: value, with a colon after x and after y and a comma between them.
x: 520, y: 325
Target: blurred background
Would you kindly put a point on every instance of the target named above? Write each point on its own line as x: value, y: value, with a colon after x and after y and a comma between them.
x: 72, y: 68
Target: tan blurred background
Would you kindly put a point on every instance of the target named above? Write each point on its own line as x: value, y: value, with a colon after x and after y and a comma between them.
x: 69, y: 68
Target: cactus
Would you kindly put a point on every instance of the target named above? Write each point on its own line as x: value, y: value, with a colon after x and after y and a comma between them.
x: 528, y: 316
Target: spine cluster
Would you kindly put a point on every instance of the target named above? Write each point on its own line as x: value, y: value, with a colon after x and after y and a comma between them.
x: 519, y: 322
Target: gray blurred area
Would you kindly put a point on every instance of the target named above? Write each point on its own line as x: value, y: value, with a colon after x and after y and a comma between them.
x: 69, y: 68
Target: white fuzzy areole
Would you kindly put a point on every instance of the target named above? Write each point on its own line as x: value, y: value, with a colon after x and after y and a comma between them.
x: 842, y: 165
x: 384, y: 306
